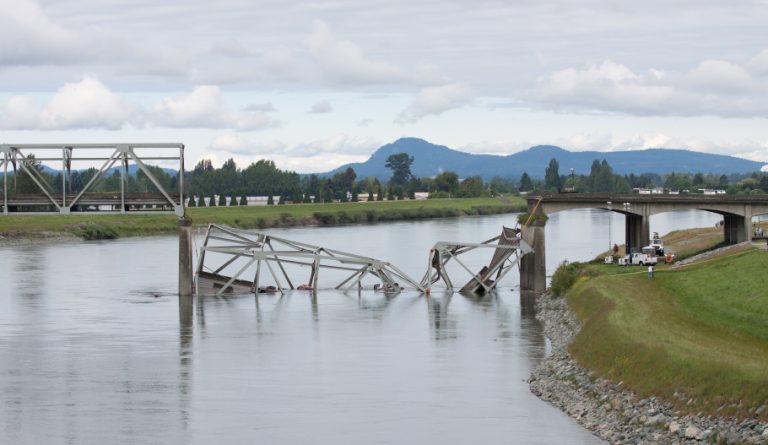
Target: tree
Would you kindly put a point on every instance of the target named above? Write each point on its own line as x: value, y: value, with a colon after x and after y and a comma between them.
x: 243, y: 201
x: 471, y: 187
x: 601, y: 178
x: 552, y: 175
x: 526, y: 185
x: 229, y: 164
x: 698, y: 180
x: 222, y: 200
x: 400, y: 164
x: 500, y: 185
x: 270, y: 199
x: 192, y: 201
x: 22, y: 179
x: 233, y: 200
x: 447, y: 182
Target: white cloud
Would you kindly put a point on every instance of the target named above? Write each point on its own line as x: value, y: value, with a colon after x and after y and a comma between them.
x: 759, y: 63
x: 236, y: 144
x: 204, y: 108
x: 317, y: 164
x: 341, y: 61
x: 313, y: 156
x: 320, y: 107
x: 435, y: 100
x: 719, y: 76
x: 85, y: 104
x: 20, y: 112
x: 30, y: 37
x: 266, y: 107
x: 714, y: 87
x: 334, y: 145
x: 230, y: 48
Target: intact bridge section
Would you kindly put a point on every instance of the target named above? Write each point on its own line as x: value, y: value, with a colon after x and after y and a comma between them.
x: 737, y: 212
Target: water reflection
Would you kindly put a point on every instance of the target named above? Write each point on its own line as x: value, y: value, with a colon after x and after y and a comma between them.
x: 443, y: 326
x: 186, y: 336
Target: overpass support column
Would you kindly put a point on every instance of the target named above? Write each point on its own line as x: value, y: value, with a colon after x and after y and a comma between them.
x: 737, y: 228
x: 533, y: 266
x: 637, y: 231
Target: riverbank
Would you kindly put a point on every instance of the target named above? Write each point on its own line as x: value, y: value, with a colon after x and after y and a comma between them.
x: 664, y: 360
x: 43, y: 228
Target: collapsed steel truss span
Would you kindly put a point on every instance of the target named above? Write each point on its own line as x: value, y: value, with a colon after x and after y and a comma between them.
x: 244, y: 249
x: 44, y: 199
x: 242, y: 255
x: 505, y: 245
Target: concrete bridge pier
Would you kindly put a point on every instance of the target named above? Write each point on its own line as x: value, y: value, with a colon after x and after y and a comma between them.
x: 637, y: 230
x: 185, y: 257
x: 533, y: 266
x: 737, y: 228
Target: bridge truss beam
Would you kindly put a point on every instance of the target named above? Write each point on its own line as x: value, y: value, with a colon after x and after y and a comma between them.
x: 44, y: 200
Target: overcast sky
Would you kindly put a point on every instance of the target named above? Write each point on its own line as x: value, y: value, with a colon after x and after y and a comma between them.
x: 314, y: 84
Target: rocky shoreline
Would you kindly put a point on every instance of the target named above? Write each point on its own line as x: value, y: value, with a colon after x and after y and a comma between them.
x: 611, y: 411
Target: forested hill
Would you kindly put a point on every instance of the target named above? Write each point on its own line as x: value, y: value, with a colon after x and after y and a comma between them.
x: 431, y: 159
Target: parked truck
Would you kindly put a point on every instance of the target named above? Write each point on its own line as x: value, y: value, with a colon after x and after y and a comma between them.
x: 647, y: 256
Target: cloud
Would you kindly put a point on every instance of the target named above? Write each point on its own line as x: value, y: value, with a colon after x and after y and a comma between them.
x: 266, y: 107
x: 435, y: 100
x: 312, y: 156
x: 719, y: 76
x: 91, y: 104
x: 321, y: 107
x: 85, y: 104
x: 30, y: 37
x: 714, y: 87
x: 341, y: 61
x: 759, y: 63
x: 230, y: 48
x: 317, y: 164
x: 364, y: 122
x: 335, y: 145
x: 236, y: 144
x: 204, y: 108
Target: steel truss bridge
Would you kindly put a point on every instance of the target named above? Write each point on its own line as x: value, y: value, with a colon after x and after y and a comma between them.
x: 15, y: 161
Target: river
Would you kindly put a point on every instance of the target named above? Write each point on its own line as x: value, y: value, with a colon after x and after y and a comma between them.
x: 95, y: 347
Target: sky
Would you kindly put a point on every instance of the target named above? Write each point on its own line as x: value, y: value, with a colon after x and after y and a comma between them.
x: 312, y: 85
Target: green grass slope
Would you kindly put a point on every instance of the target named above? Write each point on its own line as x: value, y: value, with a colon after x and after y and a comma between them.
x: 697, y: 336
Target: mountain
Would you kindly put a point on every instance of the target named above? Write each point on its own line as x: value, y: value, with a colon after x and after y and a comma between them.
x: 133, y: 169
x: 431, y: 159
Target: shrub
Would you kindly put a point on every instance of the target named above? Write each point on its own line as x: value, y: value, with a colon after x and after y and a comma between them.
x: 96, y: 232
x: 325, y: 218
x: 523, y: 217
x: 565, y: 276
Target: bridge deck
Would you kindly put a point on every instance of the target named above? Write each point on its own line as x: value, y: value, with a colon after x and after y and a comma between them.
x: 650, y: 198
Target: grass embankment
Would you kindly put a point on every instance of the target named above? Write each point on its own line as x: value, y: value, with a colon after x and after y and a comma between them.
x: 696, y: 336
x: 251, y: 217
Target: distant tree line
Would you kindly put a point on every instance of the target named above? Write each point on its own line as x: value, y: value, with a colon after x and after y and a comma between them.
x: 76, y: 180
x: 602, y: 179
x: 264, y: 178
